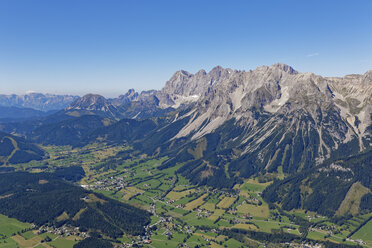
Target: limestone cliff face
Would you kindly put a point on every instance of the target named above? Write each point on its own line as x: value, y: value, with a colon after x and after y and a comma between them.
x: 284, y: 114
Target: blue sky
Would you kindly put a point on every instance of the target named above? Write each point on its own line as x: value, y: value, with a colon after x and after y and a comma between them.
x: 108, y: 46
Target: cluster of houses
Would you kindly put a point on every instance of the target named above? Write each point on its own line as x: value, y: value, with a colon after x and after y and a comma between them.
x: 359, y: 241
x: 108, y: 184
x: 304, y: 245
x: 65, y: 230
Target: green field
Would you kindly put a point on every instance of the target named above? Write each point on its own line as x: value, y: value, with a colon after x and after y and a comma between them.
x: 63, y: 243
x: 254, y: 210
x: 365, y: 233
x: 196, y: 203
x: 226, y: 202
x: 182, y: 209
x: 9, y: 226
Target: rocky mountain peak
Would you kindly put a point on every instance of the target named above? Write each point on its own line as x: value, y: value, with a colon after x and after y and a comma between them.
x: 131, y: 95
x: 130, y: 92
x: 201, y: 73
x: 90, y: 102
x: 285, y: 68
x: 367, y: 77
x: 216, y: 70
x: 128, y: 97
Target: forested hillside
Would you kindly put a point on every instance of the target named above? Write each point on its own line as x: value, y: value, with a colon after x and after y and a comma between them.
x: 44, y: 199
x: 336, y: 188
x: 15, y: 150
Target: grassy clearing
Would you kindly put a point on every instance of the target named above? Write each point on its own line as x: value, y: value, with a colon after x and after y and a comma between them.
x: 254, y: 210
x: 28, y: 235
x: 365, y: 233
x: 194, y: 220
x: 196, y: 240
x: 196, y: 203
x: 204, y: 236
x: 209, y: 206
x: 94, y: 198
x: 266, y: 226
x: 220, y: 238
x: 254, y: 185
x: 63, y: 243
x: 63, y: 216
x: 217, y: 213
x: 226, y: 202
x: 8, y: 226
x: 352, y: 199
x: 215, y: 245
x: 280, y: 172
x: 232, y: 243
x: 245, y: 227
x: 130, y: 192
x: 26, y: 242
x: 150, y: 184
x: 77, y: 215
x: 316, y: 235
x: 175, y: 195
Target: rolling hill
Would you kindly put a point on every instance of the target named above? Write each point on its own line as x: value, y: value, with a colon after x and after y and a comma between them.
x: 14, y: 150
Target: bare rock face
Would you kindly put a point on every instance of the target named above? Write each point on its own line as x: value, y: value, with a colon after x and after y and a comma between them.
x: 297, y: 118
x: 128, y: 97
x: 184, y: 87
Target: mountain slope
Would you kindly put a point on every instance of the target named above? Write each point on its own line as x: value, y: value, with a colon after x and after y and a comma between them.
x: 69, y: 131
x: 15, y: 150
x: 339, y: 187
x: 262, y: 121
x: 16, y: 114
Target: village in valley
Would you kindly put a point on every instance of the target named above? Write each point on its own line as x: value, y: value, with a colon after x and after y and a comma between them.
x: 183, y: 214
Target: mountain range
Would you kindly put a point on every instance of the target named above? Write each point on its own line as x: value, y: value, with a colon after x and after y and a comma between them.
x: 38, y: 101
x: 226, y: 125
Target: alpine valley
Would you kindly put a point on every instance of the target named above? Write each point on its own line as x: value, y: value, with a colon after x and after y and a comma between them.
x: 269, y: 157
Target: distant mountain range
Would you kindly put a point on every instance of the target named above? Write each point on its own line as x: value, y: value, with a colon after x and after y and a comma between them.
x: 227, y: 125
x: 38, y: 101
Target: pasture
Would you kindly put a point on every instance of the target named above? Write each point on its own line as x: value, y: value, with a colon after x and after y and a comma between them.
x: 176, y: 195
x: 217, y: 213
x: 365, y: 233
x: 254, y: 210
x: 226, y: 202
x: 196, y: 203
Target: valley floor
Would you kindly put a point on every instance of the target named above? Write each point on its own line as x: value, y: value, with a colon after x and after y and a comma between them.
x: 183, y: 214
